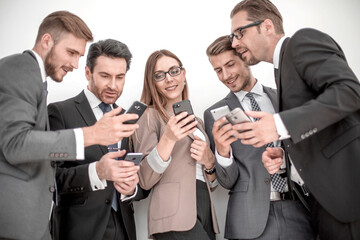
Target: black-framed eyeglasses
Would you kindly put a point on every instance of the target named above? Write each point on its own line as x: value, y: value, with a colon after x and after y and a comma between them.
x: 173, y: 71
x: 238, y: 33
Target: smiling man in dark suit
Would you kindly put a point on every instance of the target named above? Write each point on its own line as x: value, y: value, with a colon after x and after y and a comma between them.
x: 89, y: 207
x: 26, y: 149
x: 256, y: 208
x: 319, y: 113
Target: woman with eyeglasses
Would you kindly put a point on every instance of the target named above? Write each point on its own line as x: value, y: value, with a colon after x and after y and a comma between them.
x: 178, y: 164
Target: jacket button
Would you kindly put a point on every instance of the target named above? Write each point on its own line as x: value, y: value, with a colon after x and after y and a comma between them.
x: 267, y: 180
x: 52, y: 189
x: 52, y: 155
x: 107, y: 201
x: 302, y: 136
x: 66, y: 155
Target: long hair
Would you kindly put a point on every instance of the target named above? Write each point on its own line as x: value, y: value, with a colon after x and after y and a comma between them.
x: 151, y: 96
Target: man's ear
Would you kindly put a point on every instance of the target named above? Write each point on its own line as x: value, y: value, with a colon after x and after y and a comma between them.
x: 47, y: 42
x: 269, y: 26
x: 87, y: 73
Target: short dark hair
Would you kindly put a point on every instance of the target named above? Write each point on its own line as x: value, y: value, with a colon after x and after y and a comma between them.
x: 61, y: 22
x: 220, y: 45
x: 258, y: 10
x: 109, y: 48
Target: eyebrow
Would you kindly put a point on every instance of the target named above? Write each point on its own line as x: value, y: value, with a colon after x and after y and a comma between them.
x: 168, y: 69
x: 228, y: 62
x: 73, y: 50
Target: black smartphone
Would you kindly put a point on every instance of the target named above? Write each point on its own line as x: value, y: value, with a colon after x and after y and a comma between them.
x: 183, y: 106
x: 134, y: 157
x: 138, y: 108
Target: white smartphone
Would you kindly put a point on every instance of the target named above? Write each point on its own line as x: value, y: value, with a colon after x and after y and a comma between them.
x: 220, y: 112
x: 236, y: 116
x: 134, y: 157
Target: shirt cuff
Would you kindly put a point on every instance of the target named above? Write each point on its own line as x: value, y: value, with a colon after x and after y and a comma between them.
x: 124, y: 198
x: 156, y: 163
x: 79, y: 139
x: 95, y: 182
x: 214, y: 183
x: 223, y: 161
x: 280, y: 127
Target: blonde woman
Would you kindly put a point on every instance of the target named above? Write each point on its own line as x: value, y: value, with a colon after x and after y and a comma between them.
x: 178, y: 164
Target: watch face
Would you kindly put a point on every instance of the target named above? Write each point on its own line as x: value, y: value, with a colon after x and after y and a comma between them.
x: 210, y: 171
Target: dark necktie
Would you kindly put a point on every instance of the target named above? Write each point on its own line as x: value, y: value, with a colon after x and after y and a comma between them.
x: 112, y: 148
x: 277, y: 181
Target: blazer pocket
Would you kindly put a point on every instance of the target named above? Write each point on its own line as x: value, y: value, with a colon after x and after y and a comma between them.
x: 240, y: 186
x: 341, y: 141
x: 72, y: 200
x: 165, y: 200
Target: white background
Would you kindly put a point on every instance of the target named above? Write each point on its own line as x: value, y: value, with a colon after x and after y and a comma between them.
x: 184, y: 27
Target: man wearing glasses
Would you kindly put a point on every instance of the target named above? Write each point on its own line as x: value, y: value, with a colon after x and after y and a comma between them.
x: 319, y: 114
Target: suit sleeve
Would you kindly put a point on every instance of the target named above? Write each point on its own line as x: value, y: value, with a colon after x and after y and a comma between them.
x: 321, y: 64
x: 23, y: 139
x: 226, y: 176
x: 74, y: 177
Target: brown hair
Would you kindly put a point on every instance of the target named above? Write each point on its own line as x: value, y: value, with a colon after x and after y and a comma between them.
x: 61, y: 22
x: 220, y: 45
x: 258, y: 10
x: 150, y: 94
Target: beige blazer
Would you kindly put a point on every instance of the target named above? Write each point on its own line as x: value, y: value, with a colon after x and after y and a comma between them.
x: 173, y: 199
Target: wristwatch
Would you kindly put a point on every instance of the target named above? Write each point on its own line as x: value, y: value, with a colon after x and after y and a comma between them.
x: 210, y: 171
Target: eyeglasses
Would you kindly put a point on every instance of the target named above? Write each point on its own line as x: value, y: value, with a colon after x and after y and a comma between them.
x: 238, y: 33
x: 174, y: 71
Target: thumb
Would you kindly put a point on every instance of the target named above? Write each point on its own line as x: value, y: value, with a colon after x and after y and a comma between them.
x: 255, y: 114
x: 117, y: 154
x: 114, y: 112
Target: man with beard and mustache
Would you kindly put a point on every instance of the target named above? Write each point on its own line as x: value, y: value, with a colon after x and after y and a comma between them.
x: 318, y: 118
x: 26, y: 148
x: 256, y: 209
x: 85, y: 186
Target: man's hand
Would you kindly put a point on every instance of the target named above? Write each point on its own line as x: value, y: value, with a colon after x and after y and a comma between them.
x: 260, y: 132
x: 116, y: 170
x: 272, y: 159
x: 223, y: 137
x: 110, y: 128
x: 127, y: 188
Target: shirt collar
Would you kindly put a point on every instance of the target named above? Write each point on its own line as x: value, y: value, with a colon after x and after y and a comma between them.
x: 41, y: 65
x: 276, y: 57
x: 257, y: 90
x: 93, y: 100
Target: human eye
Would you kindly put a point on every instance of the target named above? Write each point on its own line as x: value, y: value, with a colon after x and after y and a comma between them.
x: 175, y: 71
x: 158, y: 76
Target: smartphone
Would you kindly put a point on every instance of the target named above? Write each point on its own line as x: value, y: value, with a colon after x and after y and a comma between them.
x: 236, y: 116
x: 134, y: 157
x: 138, y: 108
x: 183, y: 106
x: 220, y: 112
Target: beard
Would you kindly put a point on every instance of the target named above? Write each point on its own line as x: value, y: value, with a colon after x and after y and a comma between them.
x: 50, y: 66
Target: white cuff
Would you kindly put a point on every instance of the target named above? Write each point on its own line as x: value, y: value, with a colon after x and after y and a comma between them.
x: 214, y: 183
x: 95, y: 182
x: 124, y: 198
x: 280, y: 127
x: 79, y: 139
x: 156, y: 163
x: 223, y: 161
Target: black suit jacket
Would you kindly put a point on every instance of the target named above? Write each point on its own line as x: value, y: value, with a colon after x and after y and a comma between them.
x: 82, y: 213
x: 319, y: 102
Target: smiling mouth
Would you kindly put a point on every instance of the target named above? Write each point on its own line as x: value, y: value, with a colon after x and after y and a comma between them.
x: 171, y: 88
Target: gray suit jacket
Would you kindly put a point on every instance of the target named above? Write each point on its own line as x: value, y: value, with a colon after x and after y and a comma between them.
x: 319, y: 103
x: 26, y: 150
x: 247, y: 180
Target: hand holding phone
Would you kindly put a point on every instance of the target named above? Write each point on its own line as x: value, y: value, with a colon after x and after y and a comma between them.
x: 134, y: 157
x: 183, y: 106
x: 138, y: 108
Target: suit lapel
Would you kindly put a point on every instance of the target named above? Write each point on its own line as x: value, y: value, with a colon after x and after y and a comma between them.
x: 273, y: 97
x: 232, y: 101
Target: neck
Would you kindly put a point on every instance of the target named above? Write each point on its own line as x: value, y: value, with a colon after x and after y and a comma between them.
x: 273, y: 43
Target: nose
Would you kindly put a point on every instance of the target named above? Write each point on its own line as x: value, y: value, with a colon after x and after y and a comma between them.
x: 235, y: 42
x: 75, y: 62
x: 226, y: 74
x: 112, y: 83
x: 168, y: 78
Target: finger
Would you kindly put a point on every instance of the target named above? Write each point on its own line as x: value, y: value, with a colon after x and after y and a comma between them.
x: 116, y: 154
x: 188, y: 120
x: 244, y: 127
x: 255, y: 114
x: 180, y: 116
x: 127, y: 116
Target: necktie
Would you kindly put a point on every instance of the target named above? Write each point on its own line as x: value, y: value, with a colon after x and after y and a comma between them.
x: 277, y: 181
x: 112, y: 148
